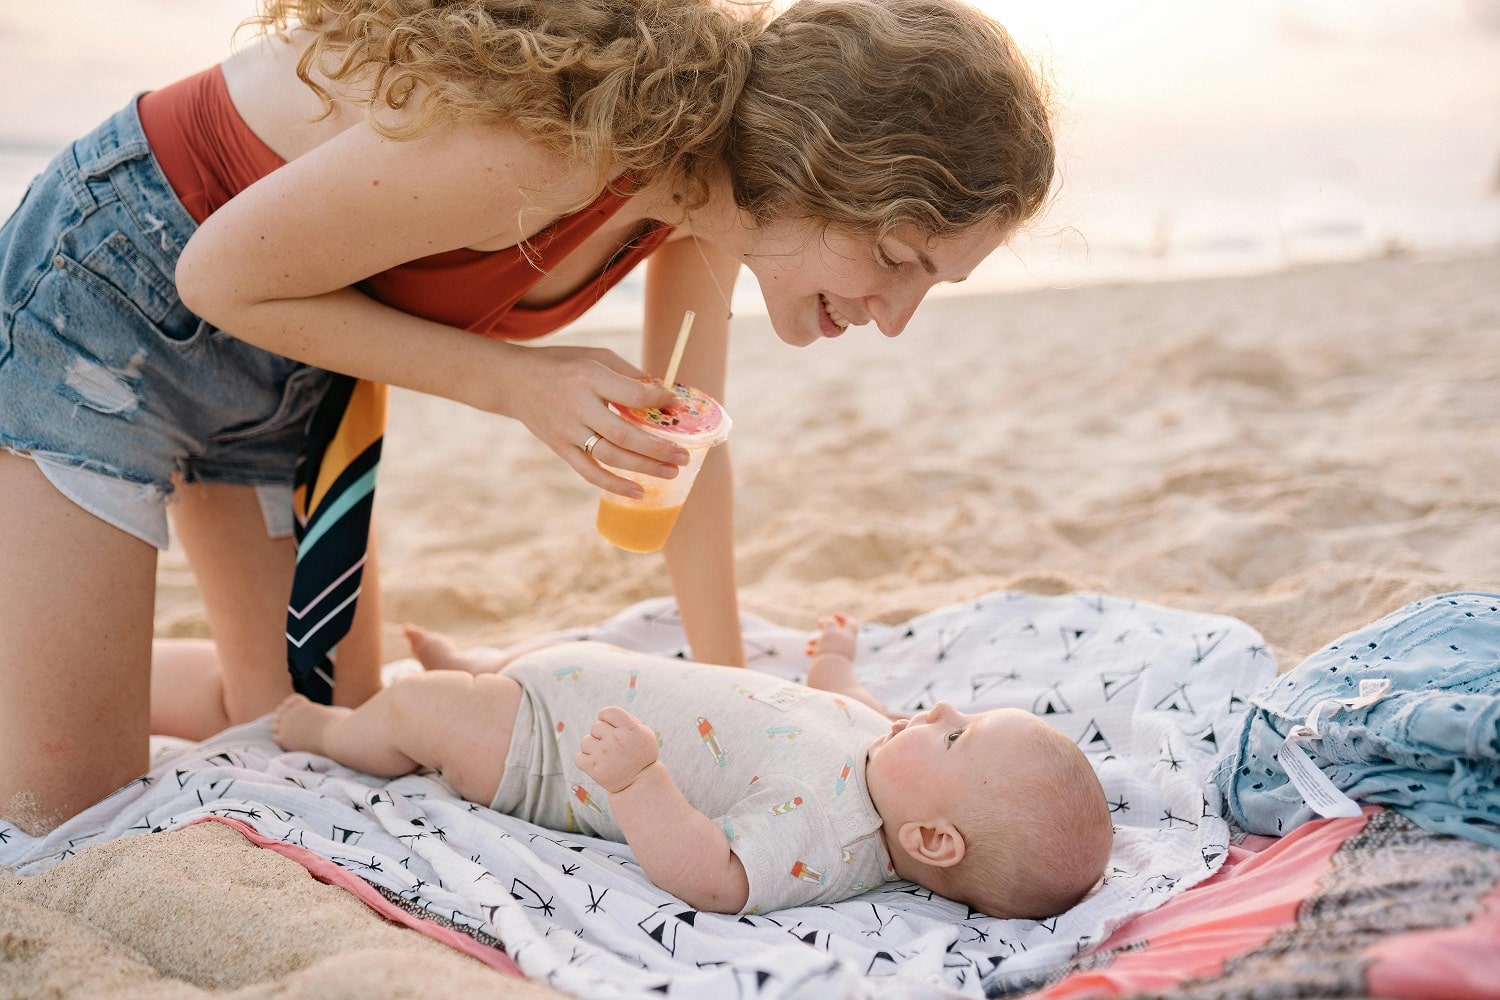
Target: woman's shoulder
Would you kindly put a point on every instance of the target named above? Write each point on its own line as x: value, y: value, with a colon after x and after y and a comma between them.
x: 293, y: 120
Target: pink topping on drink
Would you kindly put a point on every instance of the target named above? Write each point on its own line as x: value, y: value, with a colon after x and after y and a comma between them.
x: 694, y: 414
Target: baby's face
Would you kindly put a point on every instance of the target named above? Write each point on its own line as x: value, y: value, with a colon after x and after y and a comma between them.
x: 928, y: 764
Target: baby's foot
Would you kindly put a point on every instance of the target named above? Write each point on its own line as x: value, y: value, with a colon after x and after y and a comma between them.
x: 299, y: 724
x: 437, y: 652
x: 837, y: 634
x: 832, y: 666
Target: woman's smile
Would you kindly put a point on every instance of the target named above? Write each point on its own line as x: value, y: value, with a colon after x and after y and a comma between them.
x: 832, y: 322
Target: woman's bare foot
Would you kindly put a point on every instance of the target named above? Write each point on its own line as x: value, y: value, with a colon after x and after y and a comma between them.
x: 299, y: 724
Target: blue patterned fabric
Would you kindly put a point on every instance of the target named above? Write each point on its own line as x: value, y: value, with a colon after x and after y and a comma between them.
x: 1429, y: 748
x: 334, y: 500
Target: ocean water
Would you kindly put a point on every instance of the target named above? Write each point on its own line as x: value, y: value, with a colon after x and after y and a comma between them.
x: 1192, y: 140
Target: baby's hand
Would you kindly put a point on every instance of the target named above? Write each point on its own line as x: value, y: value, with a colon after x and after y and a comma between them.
x: 837, y: 634
x: 616, y: 750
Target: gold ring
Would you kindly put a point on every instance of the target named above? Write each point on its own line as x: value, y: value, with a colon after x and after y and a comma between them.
x: 588, y: 446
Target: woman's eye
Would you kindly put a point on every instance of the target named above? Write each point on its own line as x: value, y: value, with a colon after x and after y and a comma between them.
x: 885, y: 260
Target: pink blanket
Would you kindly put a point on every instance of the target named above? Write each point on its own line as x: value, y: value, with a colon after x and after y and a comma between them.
x: 1366, y: 907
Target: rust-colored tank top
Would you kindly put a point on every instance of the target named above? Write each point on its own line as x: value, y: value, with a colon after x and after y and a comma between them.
x: 209, y: 155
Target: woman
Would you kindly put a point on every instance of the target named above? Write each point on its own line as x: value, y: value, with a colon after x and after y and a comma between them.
x: 359, y: 192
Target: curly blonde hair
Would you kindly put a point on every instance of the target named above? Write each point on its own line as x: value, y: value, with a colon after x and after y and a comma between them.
x: 862, y: 115
x: 867, y: 115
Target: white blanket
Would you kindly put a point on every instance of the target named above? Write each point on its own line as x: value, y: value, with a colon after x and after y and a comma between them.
x: 1146, y: 691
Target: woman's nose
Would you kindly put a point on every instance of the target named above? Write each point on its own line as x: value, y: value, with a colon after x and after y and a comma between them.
x: 893, y: 309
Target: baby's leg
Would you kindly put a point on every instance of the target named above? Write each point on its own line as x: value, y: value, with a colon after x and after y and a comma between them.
x: 437, y: 652
x: 832, y: 665
x: 832, y: 652
x: 449, y: 720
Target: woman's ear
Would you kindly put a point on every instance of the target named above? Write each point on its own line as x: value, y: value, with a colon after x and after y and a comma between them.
x: 938, y: 843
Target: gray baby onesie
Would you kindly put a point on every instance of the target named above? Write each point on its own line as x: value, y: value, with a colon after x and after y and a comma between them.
x: 779, y: 766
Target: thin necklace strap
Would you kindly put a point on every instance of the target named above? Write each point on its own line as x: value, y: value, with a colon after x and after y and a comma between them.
x: 728, y: 309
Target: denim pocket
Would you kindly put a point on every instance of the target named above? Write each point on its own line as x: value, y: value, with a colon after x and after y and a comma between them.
x: 75, y: 295
x: 300, y: 394
x: 117, y: 261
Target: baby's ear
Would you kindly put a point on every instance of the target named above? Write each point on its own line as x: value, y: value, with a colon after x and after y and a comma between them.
x: 936, y: 843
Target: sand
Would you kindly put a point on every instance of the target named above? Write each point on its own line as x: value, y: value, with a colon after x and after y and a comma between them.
x: 1305, y: 450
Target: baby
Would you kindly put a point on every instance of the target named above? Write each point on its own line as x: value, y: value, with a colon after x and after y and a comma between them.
x: 737, y: 791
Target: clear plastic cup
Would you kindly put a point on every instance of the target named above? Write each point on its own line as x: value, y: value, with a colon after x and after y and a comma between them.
x: 697, y: 423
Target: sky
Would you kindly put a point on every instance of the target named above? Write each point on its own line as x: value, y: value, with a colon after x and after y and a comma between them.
x: 1177, y: 112
x: 1399, y: 92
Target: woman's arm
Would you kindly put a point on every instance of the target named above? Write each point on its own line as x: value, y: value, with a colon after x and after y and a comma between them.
x: 276, y: 264
x: 682, y: 275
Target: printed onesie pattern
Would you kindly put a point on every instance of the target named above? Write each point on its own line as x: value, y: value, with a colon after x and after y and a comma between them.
x: 778, y: 766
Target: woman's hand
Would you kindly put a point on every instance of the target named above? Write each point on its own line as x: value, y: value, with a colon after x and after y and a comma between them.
x: 563, y: 395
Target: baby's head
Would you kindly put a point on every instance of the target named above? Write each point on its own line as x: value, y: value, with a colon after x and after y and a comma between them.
x: 996, y: 809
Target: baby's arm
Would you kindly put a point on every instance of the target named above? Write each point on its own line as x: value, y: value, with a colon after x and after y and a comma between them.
x: 832, y: 666
x: 680, y: 849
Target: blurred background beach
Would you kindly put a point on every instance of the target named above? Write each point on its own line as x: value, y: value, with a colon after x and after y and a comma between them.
x: 1249, y: 364
x: 1196, y: 138
x: 1269, y: 195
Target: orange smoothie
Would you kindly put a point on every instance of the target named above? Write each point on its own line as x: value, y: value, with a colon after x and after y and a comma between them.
x: 636, y: 529
x: 696, y: 422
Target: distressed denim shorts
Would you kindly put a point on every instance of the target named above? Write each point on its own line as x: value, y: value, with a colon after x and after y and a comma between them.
x: 106, y: 379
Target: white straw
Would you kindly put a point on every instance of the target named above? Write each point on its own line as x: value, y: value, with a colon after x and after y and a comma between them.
x: 679, y: 347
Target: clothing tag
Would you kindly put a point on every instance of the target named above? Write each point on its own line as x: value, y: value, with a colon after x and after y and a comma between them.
x: 1371, y: 690
x: 1321, y: 794
x: 1312, y: 783
x: 782, y: 697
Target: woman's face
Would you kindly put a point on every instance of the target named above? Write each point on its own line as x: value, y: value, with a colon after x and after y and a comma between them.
x: 817, y: 283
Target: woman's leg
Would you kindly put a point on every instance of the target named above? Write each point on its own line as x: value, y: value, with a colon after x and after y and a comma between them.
x: 360, y: 653
x: 453, y: 721
x: 245, y: 578
x: 76, y: 603
x: 187, y: 689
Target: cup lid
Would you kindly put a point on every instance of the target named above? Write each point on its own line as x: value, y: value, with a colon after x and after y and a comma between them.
x: 695, y: 415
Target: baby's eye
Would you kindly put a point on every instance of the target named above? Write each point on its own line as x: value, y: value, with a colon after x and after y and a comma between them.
x: 953, y: 736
